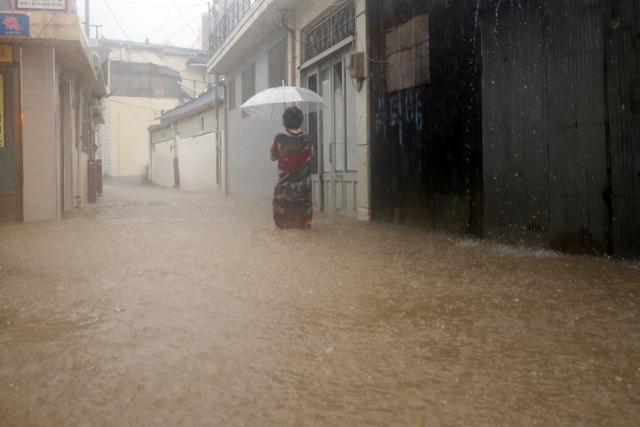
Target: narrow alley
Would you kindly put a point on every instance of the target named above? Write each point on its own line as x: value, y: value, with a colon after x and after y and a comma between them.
x: 159, y: 307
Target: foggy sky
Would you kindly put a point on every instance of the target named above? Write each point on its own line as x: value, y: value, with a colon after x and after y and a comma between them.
x: 158, y: 20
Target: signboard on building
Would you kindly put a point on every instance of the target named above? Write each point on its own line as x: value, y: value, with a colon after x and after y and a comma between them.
x: 14, y: 25
x: 1, y: 111
x: 6, y: 53
x: 41, y: 4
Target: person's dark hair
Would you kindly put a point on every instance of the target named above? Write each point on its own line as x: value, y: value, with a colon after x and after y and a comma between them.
x: 292, y: 118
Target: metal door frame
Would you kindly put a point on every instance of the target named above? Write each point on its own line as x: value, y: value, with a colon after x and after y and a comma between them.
x: 332, y: 175
x: 13, y: 69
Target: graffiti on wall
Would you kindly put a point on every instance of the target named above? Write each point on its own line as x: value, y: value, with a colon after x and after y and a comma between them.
x: 399, y: 110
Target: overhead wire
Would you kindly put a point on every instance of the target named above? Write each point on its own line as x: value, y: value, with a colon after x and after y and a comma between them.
x: 153, y: 31
x: 183, y: 18
x: 124, y: 33
x: 170, y: 6
x: 182, y: 28
x: 163, y: 26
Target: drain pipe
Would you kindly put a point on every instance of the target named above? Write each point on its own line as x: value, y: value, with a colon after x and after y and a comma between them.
x: 226, y: 139
x: 218, y: 135
x: 79, y: 142
x: 292, y: 36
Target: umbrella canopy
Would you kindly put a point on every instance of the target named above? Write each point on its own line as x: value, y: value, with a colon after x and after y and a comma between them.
x: 272, y: 102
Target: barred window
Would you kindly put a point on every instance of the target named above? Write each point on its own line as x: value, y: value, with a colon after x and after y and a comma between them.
x: 330, y: 31
x: 278, y: 64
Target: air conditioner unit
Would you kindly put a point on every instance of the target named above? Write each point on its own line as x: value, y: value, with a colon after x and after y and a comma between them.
x: 356, y: 65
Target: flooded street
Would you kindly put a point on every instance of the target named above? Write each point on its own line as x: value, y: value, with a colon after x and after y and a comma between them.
x: 158, y: 307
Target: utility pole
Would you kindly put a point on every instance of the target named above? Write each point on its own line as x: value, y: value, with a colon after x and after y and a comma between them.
x: 87, y: 19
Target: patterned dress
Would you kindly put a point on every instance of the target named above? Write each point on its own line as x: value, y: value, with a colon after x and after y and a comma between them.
x: 292, y: 205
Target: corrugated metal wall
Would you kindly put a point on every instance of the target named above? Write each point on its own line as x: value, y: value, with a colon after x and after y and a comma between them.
x: 559, y: 140
x: 623, y: 75
x: 426, y: 140
x: 545, y: 157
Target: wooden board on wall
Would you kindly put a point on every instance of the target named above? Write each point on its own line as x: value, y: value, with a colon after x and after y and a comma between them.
x: 407, y: 54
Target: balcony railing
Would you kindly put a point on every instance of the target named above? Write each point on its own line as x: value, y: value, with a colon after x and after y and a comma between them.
x: 228, y: 22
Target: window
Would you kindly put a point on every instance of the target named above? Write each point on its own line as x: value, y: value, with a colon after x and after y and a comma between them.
x: 231, y: 93
x: 278, y: 64
x: 144, y: 80
x: 248, y: 84
x: 330, y: 31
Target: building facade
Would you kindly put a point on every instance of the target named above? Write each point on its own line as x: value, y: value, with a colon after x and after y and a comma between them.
x: 515, y: 121
x: 143, y: 81
x: 51, y: 85
x: 186, y: 149
x: 263, y: 43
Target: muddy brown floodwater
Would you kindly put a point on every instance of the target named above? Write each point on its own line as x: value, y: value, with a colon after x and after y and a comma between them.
x: 157, y: 307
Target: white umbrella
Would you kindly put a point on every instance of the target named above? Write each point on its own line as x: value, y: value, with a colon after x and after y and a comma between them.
x: 272, y: 102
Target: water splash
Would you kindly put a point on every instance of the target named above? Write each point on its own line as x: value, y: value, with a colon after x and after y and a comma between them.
x: 476, y: 17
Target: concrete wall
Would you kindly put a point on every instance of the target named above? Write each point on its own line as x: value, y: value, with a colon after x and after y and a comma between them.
x: 192, y: 125
x: 40, y: 151
x: 55, y: 167
x: 197, y: 163
x: 163, y: 134
x: 363, y: 119
x: 249, y: 139
x: 129, y: 120
x: 105, y: 149
x: 162, y: 164
x: 68, y: 123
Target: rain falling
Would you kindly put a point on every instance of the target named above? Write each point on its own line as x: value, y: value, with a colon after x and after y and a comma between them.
x: 303, y: 212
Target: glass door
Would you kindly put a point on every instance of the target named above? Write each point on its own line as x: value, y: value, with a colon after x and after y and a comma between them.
x: 335, y: 183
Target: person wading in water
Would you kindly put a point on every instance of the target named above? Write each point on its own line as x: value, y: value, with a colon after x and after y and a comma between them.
x: 293, y: 149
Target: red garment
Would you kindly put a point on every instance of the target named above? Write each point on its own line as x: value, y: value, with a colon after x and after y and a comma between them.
x: 292, y: 203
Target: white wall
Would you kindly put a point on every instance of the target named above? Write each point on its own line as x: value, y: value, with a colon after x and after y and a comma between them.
x: 250, y: 170
x: 162, y: 164
x: 197, y: 163
x: 40, y: 150
x: 129, y: 120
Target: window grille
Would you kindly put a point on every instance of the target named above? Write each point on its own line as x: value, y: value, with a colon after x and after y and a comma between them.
x: 343, y: 24
x: 330, y: 31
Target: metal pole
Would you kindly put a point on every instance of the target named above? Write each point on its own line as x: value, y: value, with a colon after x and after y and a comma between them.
x: 218, y: 144
x: 87, y: 19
